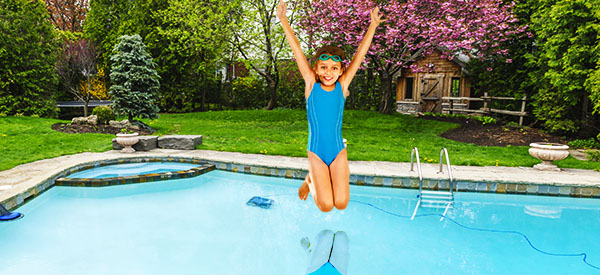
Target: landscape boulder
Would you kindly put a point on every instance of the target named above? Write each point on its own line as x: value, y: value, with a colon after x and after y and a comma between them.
x: 132, y: 125
x: 180, y: 142
x: 91, y: 120
x: 145, y: 143
x: 121, y: 124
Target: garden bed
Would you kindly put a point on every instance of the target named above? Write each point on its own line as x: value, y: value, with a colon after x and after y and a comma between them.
x: 474, y: 131
x: 86, y: 128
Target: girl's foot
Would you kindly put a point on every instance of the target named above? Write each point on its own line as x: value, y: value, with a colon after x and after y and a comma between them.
x: 304, y: 190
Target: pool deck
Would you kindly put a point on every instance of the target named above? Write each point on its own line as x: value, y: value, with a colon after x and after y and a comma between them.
x: 18, y: 181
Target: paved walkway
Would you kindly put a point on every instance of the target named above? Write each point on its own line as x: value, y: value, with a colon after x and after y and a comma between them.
x: 23, y: 177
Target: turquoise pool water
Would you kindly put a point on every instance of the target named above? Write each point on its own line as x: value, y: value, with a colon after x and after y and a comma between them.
x: 202, y: 225
x: 130, y: 169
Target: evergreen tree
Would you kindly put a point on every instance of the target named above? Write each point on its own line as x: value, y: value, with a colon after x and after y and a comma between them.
x: 135, y: 83
x: 27, y: 56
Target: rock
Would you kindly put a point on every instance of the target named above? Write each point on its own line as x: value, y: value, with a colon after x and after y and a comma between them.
x: 138, y: 125
x: 133, y: 125
x: 145, y: 143
x: 92, y: 120
x: 119, y: 124
x: 181, y: 142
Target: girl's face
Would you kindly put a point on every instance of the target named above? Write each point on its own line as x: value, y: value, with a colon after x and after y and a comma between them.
x: 328, y: 71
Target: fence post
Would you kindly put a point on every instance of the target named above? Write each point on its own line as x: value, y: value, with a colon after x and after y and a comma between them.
x: 485, y: 101
x: 522, y: 110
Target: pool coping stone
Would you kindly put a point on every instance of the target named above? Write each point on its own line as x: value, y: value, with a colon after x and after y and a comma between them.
x: 21, y: 183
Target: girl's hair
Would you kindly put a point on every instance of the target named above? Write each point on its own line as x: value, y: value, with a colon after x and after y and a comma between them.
x: 330, y: 50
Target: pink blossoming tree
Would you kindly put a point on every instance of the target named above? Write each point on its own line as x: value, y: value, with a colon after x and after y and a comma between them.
x: 414, y: 28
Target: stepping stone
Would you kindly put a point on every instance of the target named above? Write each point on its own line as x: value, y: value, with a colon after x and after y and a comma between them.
x: 146, y: 143
x: 180, y: 142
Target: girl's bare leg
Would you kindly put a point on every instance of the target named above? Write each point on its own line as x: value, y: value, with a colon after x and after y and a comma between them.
x: 321, y: 182
x: 340, y: 180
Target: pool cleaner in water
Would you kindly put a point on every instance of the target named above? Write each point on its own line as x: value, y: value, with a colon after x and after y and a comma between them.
x: 5, y: 215
x: 329, y: 255
x: 260, y: 202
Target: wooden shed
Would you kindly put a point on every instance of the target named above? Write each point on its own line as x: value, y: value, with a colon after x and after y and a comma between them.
x: 423, y: 91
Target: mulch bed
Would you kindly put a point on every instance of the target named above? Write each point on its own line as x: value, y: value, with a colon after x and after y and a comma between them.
x: 473, y: 131
x: 84, y: 128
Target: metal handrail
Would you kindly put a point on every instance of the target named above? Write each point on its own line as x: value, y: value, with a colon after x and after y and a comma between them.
x: 432, y: 194
x: 412, y: 158
x: 444, y: 152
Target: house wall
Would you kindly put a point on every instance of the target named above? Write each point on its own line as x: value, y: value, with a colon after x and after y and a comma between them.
x: 442, y: 67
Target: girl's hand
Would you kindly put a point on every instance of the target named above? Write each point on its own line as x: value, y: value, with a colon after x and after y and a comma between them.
x: 376, y: 17
x: 281, y: 10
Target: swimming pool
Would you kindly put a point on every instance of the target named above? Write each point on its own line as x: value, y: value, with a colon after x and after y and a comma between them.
x: 130, y: 169
x: 202, y: 225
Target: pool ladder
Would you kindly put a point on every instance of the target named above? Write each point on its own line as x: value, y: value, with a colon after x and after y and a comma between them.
x: 431, y: 198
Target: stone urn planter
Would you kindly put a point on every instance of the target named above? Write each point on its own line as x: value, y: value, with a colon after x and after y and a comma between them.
x: 548, y: 152
x: 127, y: 140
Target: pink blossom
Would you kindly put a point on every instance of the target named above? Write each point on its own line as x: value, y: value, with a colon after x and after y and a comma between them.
x: 412, y: 27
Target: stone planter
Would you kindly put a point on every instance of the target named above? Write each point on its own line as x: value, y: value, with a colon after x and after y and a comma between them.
x: 127, y: 140
x: 548, y: 152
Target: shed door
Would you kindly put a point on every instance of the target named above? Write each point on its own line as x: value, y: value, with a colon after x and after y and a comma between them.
x: 431, y: 92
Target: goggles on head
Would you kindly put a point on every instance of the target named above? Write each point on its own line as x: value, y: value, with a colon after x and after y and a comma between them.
x: 335, y: 58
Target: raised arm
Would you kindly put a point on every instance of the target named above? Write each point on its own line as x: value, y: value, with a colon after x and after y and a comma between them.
x: 361, y: 52
x: 307, y: 72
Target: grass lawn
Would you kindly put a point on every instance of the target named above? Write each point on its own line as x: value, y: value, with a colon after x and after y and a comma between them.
x: 370, y: 135
x: 27, y: 139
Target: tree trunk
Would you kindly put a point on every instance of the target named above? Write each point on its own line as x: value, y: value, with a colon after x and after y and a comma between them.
x: 588, y: 125
x: 87, y: 97
x: 388, y: 103
x: 203, y: 92
x: 273, y: 91
x: 85, y: 108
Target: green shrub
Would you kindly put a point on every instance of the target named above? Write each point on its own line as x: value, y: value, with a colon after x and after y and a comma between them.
x: 589, y: 143
x: 248, y: 93
x: 513, y: 124
x: 104, y: 113
x: 593, y: 155
x: 485, y: 119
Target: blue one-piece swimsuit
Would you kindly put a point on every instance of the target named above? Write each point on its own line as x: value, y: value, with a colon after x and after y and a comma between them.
x: 325, y: 111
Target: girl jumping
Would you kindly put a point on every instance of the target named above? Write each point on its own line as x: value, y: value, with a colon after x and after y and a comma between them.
x: 325, y: 93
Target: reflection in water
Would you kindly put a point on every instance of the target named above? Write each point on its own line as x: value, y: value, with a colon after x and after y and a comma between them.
x: 543, y: 211
x: 329, y: 255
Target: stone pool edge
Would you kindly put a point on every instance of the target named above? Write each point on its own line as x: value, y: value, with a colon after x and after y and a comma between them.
x: 392, y: 181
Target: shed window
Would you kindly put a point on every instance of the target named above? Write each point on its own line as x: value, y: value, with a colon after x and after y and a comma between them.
x: 455, y: 86
x: 408, y: 91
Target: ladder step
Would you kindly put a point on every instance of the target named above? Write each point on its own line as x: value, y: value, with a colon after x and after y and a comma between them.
x: 437, y: 192
x: 439, y: 206
x: 436, y: 197
x: 435, y: 201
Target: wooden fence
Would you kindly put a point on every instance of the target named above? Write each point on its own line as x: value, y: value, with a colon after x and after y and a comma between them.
x: 486, y: 109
